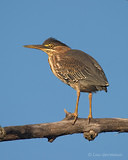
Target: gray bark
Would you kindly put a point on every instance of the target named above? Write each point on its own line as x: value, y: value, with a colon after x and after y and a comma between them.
x: 51, y: 131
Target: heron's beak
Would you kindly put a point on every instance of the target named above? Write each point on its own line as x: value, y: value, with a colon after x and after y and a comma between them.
x: 41, y: 47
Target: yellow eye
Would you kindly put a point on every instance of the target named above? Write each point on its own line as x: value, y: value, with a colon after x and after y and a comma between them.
x: 50, y: 45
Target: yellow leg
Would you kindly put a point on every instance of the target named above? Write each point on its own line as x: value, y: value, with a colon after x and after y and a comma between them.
x: 90, y: 106
x: 76, y: 109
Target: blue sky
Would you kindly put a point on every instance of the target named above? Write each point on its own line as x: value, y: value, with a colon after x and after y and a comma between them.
x: 30, y: 93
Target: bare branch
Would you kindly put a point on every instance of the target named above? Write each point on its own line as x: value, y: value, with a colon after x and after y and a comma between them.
x: 90, y: 129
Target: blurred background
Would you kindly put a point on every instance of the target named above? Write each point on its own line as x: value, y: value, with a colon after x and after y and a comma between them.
x: 30, y: 93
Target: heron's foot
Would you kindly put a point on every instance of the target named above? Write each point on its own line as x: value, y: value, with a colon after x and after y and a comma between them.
x: 75, y: 117
x: 71, y: 116
x: 89, y: 117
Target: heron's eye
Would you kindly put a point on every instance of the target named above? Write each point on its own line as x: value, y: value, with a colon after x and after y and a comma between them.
x: 51, y: 45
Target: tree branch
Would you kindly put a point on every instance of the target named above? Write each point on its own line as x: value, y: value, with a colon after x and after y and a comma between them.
x: 90, y: 129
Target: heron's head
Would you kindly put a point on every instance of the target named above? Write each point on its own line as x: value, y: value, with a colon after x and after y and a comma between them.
x: 51, y: 46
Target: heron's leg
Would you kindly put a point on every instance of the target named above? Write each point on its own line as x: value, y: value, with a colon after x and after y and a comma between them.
x: 76, y: 109
x: 90, y: 106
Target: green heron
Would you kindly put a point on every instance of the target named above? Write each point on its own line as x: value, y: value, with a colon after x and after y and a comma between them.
x: 75, y: 68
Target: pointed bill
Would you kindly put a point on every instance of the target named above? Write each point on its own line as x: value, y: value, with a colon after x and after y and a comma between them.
x: 34, y: 46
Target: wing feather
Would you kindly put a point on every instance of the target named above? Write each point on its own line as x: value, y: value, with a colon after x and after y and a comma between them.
x: 76, y: 65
